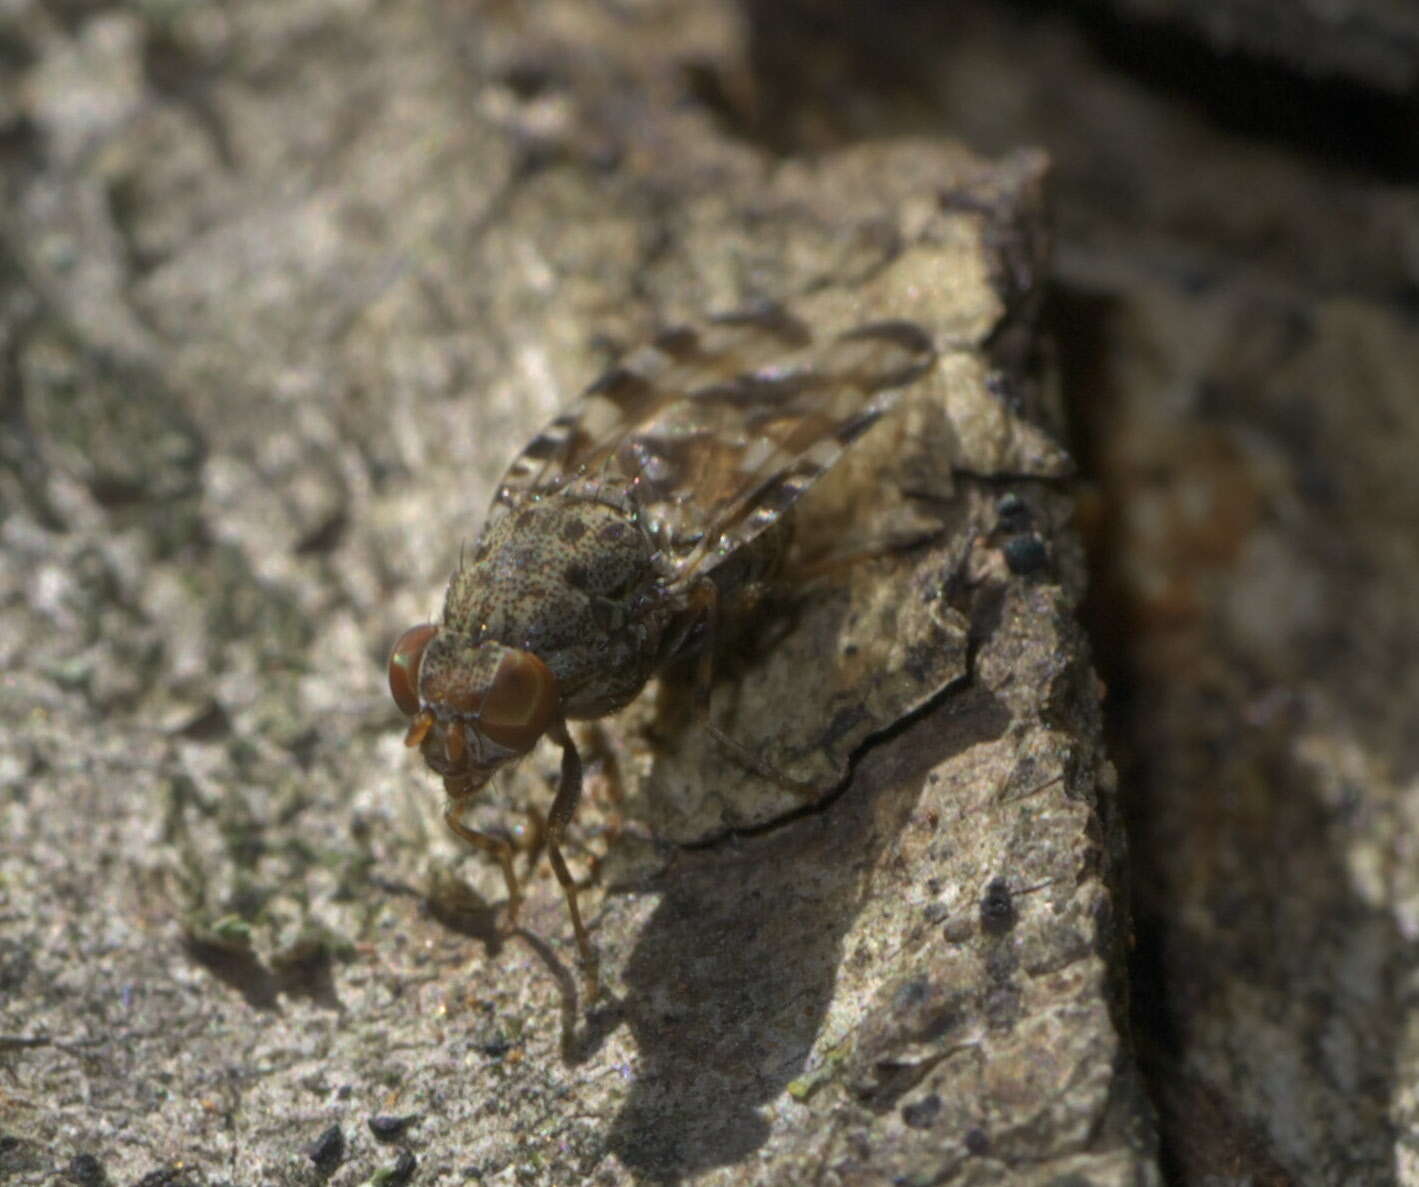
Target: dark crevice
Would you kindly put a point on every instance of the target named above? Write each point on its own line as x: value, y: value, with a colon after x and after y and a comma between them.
x: 1080, y: 320
x: 807, y: 58
x: 1335, y: 120
x: 1199, y: 1129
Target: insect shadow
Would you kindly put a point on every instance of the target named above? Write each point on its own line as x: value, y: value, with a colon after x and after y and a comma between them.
x: 308, y: 975
x: 732, y: 976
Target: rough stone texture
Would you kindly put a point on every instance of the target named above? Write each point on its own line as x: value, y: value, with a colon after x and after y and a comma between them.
x: 284, y: 286
x: 338, y: 259
x: 1236, y: 280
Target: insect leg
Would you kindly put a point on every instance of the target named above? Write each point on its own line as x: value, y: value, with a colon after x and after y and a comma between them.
x: 563, y: 808
x: 705, y: 600
x: 760, y: 766
x: 601, y: 754
x: 497, y: 846
x: 704, y: 605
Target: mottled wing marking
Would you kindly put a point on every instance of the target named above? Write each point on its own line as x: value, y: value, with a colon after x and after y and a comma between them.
x: 737, y: 455
x: 647, y: 382
x: 719, y: 430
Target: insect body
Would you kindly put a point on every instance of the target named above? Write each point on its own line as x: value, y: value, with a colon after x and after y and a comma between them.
x: 615, y: 535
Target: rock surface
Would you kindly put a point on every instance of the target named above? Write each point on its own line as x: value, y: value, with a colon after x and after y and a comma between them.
x: 285, y: 287
x: 1234, y: 315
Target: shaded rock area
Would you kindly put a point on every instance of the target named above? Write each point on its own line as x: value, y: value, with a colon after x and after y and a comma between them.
x: 282, y: 289
x: 1373, y: 44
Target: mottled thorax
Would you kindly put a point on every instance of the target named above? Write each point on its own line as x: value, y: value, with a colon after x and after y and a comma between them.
x: 572, y: 579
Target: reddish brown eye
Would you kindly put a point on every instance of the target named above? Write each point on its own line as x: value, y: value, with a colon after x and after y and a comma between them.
x: 404, y: 666
x: 520, y: 703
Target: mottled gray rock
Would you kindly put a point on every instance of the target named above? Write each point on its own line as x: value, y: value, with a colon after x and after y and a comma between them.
x: 285, y: 286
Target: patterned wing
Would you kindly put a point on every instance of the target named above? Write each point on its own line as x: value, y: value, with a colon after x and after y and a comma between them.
x: 643, y: 387
x: 718, y: 430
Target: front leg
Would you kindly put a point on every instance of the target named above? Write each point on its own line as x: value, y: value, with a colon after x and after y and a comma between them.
x: 499, y: 847
x: 563, y: 808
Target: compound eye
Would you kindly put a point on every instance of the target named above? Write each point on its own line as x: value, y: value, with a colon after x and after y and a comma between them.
x: 404, y: 666
x: 520, y: 703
